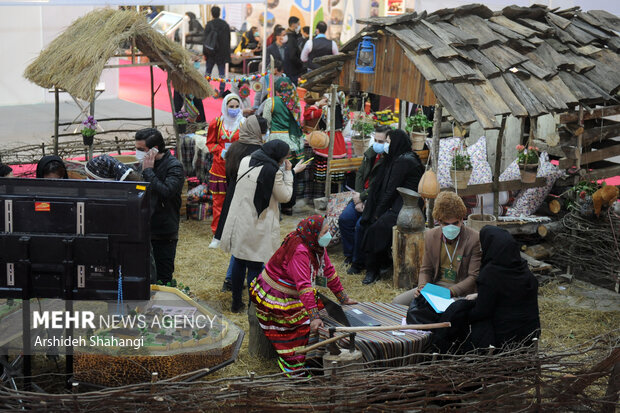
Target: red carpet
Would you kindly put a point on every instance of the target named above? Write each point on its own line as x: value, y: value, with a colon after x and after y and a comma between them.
x: 135, y: 87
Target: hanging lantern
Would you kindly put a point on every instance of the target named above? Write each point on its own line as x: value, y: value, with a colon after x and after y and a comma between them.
x: 366, y: 56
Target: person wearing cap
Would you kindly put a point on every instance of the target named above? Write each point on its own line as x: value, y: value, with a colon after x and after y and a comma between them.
x: 107, y: 168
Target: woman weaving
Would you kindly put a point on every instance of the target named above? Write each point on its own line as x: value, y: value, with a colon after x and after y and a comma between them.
x: 284, y: 294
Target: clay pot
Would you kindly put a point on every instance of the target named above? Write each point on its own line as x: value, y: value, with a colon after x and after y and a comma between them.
x: 360, y: 145
x: 528, y: 172
x: 460, y: 179
x: 477, y: 221
x: 301, y: 92
x: 417, y: 140
x: 410, y: 217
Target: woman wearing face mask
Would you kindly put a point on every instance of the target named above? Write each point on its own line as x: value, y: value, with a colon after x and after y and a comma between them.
x: 287, y: 307
x: 242, y: 89
x: 252, y: 229
x: 222, y: 132
x: 451, y: 251
x: 401, y: 168
x: 249, y: 40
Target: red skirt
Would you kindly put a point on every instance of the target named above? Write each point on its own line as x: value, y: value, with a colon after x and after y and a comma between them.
x: 340, y: 149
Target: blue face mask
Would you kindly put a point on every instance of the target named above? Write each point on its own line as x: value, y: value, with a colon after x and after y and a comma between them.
x: 451, y: 231
x: 256, y: 34
x: 233, y: 112
x: 325, y: 239
x: 378, y: 147
x: 386, y: 147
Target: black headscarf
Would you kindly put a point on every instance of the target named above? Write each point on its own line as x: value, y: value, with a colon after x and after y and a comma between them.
x: 5, y: 170
x: 46, y: 160
x: 501, y: 251
x: 268, y: 157
x: 399, y: 144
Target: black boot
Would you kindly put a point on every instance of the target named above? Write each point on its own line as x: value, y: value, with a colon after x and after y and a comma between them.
x: 237, y: 307
x: 355, y: 269
x: 227, y: 286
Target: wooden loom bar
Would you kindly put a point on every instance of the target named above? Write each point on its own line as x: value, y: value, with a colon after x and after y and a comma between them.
x: 498, y: 165
x: 332, y: 137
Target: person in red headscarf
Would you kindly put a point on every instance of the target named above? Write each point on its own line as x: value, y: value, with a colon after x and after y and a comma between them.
x: 287, y: 307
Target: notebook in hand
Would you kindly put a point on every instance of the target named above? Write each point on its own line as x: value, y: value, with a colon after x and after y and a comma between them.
x: 438, y: 297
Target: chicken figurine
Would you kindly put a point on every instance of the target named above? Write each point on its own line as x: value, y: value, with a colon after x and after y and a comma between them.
x: 605, y: 196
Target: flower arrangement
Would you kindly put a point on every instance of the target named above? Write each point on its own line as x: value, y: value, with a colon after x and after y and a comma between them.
x: 527, y: 155
x: 461, y: 160
x: 364, y: 124
x: 90, y: 127
x: 418, y: 123
x: 181, y: 117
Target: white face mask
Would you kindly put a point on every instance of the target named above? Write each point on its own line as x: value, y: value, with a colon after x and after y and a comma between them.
x: 140, y: 155
x: 285, y: 39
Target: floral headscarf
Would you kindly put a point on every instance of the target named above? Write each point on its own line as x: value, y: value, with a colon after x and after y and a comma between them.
x: 285, y: 89
x: 307, y: 232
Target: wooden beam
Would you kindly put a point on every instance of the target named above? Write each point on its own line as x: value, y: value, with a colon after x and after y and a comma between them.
x: 498, y: 164
x: 502, y: 186
x: 332, y: 137
x: 133, y: 65
x: 592, y: 114
x: 595, y: 134
x: 603, y: 173
x: 591, y: 157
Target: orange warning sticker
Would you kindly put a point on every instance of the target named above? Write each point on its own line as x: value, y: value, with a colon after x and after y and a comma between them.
x: 42, y: 206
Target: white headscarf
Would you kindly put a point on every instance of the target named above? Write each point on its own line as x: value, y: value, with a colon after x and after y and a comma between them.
x: 231, y: 124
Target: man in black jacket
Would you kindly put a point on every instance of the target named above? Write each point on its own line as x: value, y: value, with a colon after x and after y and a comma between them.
x: 278, y: 50
x: 165, y: 173
x: 217, y: 35
x: 294, y: 67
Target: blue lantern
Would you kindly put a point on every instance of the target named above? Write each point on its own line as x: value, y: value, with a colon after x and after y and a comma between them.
x: 366, y: 57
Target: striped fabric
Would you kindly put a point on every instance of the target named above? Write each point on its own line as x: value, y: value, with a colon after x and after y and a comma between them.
x: 284, y: 321
x: 217, y: 184
x: 382, y: 345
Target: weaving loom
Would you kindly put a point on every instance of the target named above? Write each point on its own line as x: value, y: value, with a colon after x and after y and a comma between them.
x: 382, y: 345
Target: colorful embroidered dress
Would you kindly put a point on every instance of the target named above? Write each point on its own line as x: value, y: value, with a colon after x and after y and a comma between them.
x: 284, y: 293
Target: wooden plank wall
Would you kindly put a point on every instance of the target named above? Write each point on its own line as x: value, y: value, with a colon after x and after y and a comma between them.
x: 395, y: 75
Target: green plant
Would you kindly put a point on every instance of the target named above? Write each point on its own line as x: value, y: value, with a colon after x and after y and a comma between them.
x: 89, y: 127
x: 364, y: 124
x: 527, y: 155
x: 461, y: 160
x: 418, y: 123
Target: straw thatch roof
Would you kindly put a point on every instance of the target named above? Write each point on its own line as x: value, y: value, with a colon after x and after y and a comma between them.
x: 75, y: 59
x: 524, y: 61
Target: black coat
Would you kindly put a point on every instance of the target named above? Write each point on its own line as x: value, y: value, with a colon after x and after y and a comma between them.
x: 295, y: 65
x: 274, y: 53
x: 507, y: 290
x: 404, y: 171
x: 167, y: 179
x: 222, y: 52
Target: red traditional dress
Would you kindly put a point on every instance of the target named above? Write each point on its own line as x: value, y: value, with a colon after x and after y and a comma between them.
x: 222, y: 132
x: 285, y: 294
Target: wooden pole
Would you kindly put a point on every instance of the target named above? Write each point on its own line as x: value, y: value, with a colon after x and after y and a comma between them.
x: 402, y: 114
x: 332, y: 137
x: 152, y: 98
x: 498, y: 166
x: 56, y: 119
x: 579, y: 144
x: 264, y: 51
x: 176, y: 130
x: 434, y: 158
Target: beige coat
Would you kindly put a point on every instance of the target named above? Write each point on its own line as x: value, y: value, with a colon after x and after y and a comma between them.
x: 249, y: 236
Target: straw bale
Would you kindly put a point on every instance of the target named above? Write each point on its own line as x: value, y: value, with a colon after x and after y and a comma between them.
x: 75, y: 59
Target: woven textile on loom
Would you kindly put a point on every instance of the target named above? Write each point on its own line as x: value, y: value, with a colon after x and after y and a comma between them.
x: 382, y: 345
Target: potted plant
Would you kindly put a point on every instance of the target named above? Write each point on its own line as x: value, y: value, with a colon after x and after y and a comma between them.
x: 180, y: 119
x: 461, y: 168
x: 364, y: 126
x: 416, y: 126
x: 89, y: 130
x: 527, y: 159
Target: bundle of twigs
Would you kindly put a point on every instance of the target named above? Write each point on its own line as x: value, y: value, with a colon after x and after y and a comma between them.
x: 591, y: 247
x: 514, y: 380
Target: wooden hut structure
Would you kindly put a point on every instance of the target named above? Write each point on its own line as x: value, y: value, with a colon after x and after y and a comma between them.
x: 73, y: 62
x: 482, y: 66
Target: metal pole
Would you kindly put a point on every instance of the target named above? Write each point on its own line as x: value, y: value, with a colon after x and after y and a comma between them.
x: 264, y: 54
x: 332, y: 137
x: 56, y: 119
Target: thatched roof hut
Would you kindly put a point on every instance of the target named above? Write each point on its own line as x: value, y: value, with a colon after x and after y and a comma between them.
x: 75, y: 59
